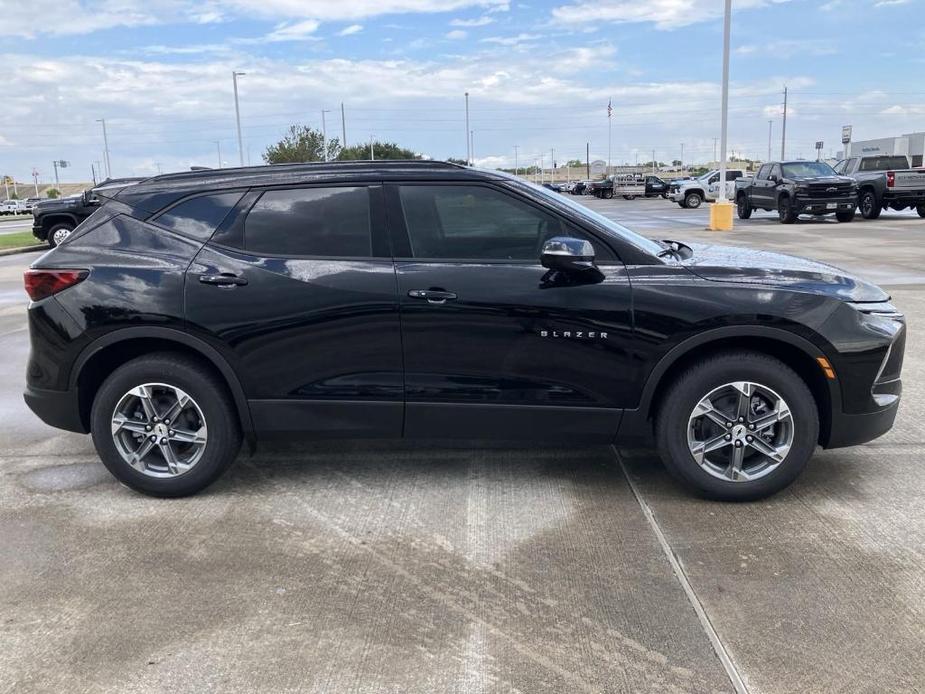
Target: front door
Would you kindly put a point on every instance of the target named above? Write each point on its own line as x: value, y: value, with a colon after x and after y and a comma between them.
x: 298, y: 287
x: 495, y: 345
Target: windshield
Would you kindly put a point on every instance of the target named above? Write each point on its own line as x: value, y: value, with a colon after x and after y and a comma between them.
x: 579, y: 210
x: 800, y: 169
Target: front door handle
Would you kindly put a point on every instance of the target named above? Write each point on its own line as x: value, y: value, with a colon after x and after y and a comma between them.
x: 224, y: 279
x: 433, y: 296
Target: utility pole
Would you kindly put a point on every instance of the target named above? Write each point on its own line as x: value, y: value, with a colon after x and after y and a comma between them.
x: 682, y: 158
x: 158, y: 165
x: 552, y: 160
x: 237, y: 114
x: 324, y: 136
x: 105, y: 148
x: 93, y: 173
x: 372, y: 152
x: 35, y: 180
x: 218, y: 146
x: 770, y: 125
x: 515, y: 159
x: 654, y: 163
x: 588, y: 160
x: 542, y: 167
x: 468, y: 143
x: 343, y: 125
x: 783, y: 134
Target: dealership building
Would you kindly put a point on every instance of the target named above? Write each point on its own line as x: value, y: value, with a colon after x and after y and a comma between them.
x: 911, y: 144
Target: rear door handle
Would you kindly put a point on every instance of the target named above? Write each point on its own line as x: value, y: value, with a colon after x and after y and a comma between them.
x: 433, y: 296
x: 224, y: 279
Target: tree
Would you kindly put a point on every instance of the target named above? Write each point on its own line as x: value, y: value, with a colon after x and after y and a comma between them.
x: 380, y: 150
x: 574, y: 162
x: 52, y: 193
x: 451, y: 160
x: 301, y: 143
x: 676, y: 162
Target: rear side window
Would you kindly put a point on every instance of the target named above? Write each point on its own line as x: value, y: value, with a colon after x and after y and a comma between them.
x: 310, y: 222
x: 733, y: 175
x: 884, y: 163
x: 198, y: 217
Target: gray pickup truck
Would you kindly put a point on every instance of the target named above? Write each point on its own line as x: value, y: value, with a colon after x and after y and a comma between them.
x: 885, y: 182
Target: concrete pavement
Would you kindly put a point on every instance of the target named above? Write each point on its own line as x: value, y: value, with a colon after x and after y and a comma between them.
x: 387, y: 567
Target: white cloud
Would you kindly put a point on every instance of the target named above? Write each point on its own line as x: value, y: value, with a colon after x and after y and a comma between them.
x: 665, y: 14
x: 788, y: 48
x: 352, y: 29
x: 484, y: 20
x: 456, y: 34
x: 512, y: 40
x: 299, y: 31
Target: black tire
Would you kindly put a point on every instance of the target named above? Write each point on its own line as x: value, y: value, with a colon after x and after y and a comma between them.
x: 743, y: 209
x: 695, y: 383
x: 845, y: 215
x: 870, y: 208
x: 608, y: 194
x: 209, y: 393
x: 58, y: 228
x: 629, y: 197
x: 921, y: 210
x: 693, y: 200
x: 785, y: 211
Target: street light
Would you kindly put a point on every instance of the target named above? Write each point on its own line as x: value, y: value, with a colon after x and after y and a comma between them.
x: 237, y: 113
x: 721, y: 210
x: 59, y: 163
x: 105, y: 148
x: 324, y: 135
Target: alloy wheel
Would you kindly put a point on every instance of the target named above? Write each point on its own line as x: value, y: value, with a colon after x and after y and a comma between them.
x: 741, y: 431
x: 159, y: 430
x: 60, y: 235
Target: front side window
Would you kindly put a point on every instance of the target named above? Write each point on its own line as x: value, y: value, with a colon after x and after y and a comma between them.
x: 763, y: 172
x: 310, y: 222
x: 200, y: 216
x: 476, y: 222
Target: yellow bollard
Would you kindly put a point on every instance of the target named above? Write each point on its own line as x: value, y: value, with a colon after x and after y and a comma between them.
x: 721, y: 216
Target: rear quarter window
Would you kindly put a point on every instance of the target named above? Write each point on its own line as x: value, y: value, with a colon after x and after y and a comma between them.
x: 199, y: 216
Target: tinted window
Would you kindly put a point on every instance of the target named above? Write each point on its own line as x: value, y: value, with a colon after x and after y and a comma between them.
x: 763, y: 172
x: 479, y: 223
x: 310, y: 221
x: 733, y: 175
x: 199, y: 216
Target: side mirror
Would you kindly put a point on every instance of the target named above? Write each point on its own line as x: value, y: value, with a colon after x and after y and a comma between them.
x: 567, y: 254
x: 773, y: 178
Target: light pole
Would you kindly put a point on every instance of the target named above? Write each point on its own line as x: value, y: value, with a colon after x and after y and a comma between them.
x: 324, y: 136
x: 552, y: 165
x: 372, y: 152
x: 783, y: 132
x: 770, y: 125
x: 218, y: 146
x: 682, y: 158
x: 515, y: 159
x: 35, y: 180
x: 237, y: 113
x: 343, y: 125
x: 105, y: 148
x: 472, y: 145
x: 468, y: 143
x: 721, y: 210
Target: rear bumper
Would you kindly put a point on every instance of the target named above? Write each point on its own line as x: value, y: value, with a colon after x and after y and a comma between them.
x: 824, y: 205
x: 909, y: 198
x: 57, y: 408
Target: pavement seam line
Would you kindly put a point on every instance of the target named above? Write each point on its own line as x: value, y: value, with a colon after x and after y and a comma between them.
x: 718, y: 646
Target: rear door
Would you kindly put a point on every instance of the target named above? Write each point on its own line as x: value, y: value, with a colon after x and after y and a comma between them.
x: 297, y: 287
x: 495, y: 345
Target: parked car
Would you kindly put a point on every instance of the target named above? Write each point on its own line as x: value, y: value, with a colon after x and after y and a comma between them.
x: 885, y: 182
x: 30, y: 204
x: 428, y: 300
x: 579, y: 188
x: 797, y: 187
x: 53, y: 220
x: 555, y: 187
x: 656, y: 187
x: 693, y: 192
x: 8, y: 207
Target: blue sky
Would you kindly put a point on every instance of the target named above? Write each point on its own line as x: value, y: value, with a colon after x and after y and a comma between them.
x: 539, y: 74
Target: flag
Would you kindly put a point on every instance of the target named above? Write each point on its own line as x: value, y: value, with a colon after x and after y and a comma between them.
x: 609, y: 108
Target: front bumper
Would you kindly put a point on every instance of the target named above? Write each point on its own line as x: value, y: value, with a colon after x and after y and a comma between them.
x: 852, y: 429
x: 806, y: 205
x: 57, y: 408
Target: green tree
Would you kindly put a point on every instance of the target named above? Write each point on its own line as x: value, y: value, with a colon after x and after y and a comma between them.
x: 574, y: 162
x: 380, y: 150
x: 300, y: 144
x: 52, y: 193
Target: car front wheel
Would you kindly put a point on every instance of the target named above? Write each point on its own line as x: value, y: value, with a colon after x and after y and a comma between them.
x: 164, y: 425
x: 737, y: 426
x: 692, y: 200
x: 743, y: 209
x: 785, y: 211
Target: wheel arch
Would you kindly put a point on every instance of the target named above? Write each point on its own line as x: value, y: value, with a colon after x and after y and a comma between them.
x: 100, y: 357
x: 48, y: 221
x: 797, y: 352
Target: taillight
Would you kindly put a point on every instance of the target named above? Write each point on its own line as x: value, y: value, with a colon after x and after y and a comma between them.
x: 44, y: 283
x: 890, y: 179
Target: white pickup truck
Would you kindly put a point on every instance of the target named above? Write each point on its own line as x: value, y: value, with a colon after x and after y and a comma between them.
x: 694, y: 192
x: 12, y: 207
x: 885, y: 181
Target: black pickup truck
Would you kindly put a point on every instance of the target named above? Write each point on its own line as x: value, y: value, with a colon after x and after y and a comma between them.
x: 54, y: 220
x: 797, y: 187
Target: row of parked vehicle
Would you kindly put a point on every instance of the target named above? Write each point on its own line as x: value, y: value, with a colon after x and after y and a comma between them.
x: 628, y: 186
x: 12, y: 206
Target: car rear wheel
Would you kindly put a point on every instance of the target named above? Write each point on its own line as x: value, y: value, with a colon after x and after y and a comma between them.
x: 737, y: 426
x: 164, y: 425
x: 845, y: 216
x: 785, y: 211
x: 870, y: 209
x: 743, y: 209
x: 58, y: 233
x: 692, y: 201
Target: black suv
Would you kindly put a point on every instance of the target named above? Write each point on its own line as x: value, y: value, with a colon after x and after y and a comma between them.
x: 428, y: 300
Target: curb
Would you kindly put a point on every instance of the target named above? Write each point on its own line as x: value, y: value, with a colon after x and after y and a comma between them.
x: 23, y: 249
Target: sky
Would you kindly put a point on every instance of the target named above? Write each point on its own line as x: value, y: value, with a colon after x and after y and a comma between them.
x: 539, y: 76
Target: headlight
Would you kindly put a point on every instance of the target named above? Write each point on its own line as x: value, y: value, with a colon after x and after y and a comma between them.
x: 882, y: 309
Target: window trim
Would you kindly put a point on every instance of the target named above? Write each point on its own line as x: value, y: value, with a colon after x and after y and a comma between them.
x: 402, y: 238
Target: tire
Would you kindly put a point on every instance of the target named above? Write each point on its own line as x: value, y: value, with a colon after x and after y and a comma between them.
x: 845, y: 216
x: 675, y: 426
x: 693, y: 200
x: 785, y: 211
x: 62, y: 231
x: 629, y: 197
x: 210, y: 405
x: 870, y: 208
x: 921, y: 210
x: 607, y: 194
x: 743, y: 209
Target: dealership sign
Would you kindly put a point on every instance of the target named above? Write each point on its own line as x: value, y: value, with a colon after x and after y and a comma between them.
x: 846, y: 134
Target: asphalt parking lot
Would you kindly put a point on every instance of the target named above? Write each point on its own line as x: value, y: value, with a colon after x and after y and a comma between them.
x: 391, y: 568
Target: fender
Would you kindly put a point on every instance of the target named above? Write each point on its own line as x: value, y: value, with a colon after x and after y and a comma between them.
x: 57, y: 216
x: 201, y: 347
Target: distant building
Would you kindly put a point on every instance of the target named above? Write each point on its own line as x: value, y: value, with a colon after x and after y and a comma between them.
x: 910, y: 144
